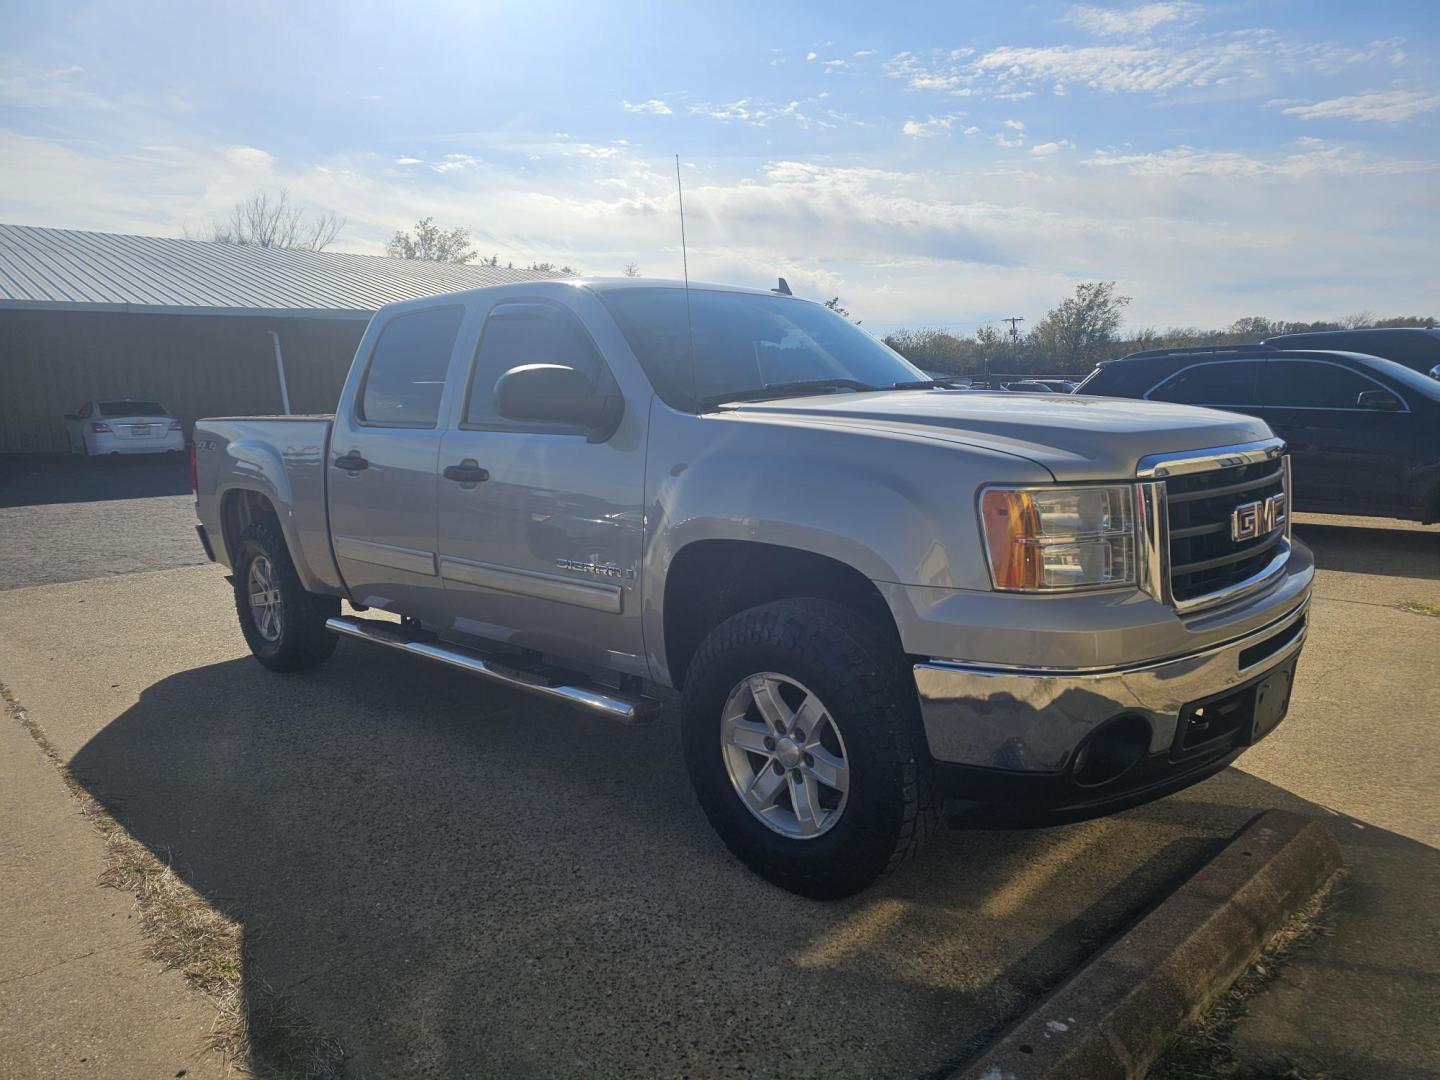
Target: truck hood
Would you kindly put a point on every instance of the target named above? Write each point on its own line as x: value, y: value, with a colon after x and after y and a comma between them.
x: 1075, y: 437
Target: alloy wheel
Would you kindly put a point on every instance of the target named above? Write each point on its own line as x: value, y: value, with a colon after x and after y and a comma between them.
x: 785, y: 755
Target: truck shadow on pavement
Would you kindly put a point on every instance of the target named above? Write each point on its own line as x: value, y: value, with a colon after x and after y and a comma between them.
x: 456, y: 880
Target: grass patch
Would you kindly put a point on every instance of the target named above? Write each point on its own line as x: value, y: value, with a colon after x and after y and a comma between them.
x: 1416, y: 607
x: 257, y: 1030
x: 1203, y: 1051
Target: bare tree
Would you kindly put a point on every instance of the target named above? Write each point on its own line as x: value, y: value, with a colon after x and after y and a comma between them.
x: 632, y: 270
x: 430, y: 241
x: 551, y: 268
x: 270, y: 220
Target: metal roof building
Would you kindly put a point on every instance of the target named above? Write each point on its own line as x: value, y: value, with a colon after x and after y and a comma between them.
x: 205, y: 328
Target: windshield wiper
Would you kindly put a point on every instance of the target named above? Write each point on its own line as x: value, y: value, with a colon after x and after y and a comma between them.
x: 789, y: 389
x: 926, y: 384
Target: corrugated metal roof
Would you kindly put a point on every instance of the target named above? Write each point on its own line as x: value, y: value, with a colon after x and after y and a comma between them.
x: 60, y: 268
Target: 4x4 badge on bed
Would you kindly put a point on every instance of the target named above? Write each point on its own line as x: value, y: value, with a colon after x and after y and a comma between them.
x: 1259, y: 518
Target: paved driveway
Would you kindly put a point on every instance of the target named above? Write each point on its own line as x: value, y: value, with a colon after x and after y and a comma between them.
x: 455, y: 879
x: 67, y: 519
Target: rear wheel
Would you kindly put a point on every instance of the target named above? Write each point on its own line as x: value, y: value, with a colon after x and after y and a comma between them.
x: 283, y: 624
x: 804, y: 745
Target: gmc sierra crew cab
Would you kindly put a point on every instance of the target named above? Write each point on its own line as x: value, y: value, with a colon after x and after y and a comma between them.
x: 871, y: 591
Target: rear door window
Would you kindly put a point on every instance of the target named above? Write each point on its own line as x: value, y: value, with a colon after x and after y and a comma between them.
x: 1298, y: 384
x: 406, y: 377
x: 1230, y: 383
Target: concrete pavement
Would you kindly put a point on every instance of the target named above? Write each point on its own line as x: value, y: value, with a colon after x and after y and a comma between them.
x: 78, y: 995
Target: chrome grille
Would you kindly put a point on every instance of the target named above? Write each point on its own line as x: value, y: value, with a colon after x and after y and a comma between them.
x: 1205, y: 557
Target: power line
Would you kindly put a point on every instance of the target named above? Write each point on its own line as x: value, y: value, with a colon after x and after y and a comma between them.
x: 1014, y: 322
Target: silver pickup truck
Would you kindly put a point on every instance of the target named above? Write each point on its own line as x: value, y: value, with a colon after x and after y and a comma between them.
x: 874, y: 593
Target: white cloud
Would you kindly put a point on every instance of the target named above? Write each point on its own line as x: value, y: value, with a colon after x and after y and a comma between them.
x: 754, y: 111
x: 653, y: 107
x: 1317, y: 158
x: 1377, y: 106
x: 863, y: 52
x: 1131, y: 22
x: 924, y: 129
x: 1045, y: 149
x: 32, y: 86
x: 1240, y: 60
x: 1016, y: 125
x: 409, y: 161
x: 811, y: 55
x: 454, y: 163
x: 890, y: 241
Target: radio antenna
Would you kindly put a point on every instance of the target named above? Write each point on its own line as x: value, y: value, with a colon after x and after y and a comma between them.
x: 685, y: 265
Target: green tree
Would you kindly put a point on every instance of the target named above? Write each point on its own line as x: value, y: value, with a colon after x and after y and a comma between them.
x: 1082, y: 330
x: 429, y: 241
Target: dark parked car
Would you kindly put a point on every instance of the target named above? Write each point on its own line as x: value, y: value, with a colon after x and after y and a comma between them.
x: 1364, y: 433
x: 1416, y: 348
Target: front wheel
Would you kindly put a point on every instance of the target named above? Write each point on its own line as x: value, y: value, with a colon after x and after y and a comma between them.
x: 283, y: 624
x: 804, y: 745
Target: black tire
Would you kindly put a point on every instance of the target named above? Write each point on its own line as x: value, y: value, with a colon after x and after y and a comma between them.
x: 860, y: 675
x: 302, y: 640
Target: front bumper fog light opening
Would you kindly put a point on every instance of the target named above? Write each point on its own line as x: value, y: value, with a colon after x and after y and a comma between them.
x: 1111, y: 751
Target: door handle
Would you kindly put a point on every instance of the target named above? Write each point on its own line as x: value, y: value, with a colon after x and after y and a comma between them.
x: 467, y: 472
x: 352, y: 462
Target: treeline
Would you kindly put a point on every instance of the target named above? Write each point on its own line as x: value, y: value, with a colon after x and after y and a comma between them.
x: 1086, y: 328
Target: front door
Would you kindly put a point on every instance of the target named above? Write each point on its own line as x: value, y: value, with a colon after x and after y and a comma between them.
x: 1343, y: 455
x: 381, y: 474
x: 540, y: 529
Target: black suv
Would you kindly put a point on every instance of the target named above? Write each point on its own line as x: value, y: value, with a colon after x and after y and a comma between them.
x: 1415, y: 347
x: 1364, y: 433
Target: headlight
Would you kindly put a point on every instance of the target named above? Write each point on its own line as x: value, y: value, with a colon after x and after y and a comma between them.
x: 1043, y: 539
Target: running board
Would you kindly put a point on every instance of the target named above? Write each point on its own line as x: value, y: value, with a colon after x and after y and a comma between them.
x: 592, y: 697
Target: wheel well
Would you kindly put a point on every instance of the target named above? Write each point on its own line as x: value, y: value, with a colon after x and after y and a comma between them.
x: 710, y: 580
x: 239, y: 510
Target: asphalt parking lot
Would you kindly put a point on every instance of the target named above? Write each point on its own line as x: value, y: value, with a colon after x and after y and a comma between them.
x: 454, y: 879
x: 67, y: 518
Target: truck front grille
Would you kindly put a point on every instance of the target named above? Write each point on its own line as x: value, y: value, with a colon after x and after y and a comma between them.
x: 1205, y: 557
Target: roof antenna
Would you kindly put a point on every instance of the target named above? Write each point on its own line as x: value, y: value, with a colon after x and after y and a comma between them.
x: 784, y: 289
x: 685, y: 264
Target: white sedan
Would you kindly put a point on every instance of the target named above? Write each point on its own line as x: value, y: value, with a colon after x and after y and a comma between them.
x: 123, y: 427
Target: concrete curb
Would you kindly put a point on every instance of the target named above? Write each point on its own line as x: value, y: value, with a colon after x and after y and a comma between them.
x: 1115, y: 1015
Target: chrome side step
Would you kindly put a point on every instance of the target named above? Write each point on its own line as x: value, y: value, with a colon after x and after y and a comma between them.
x: 592, y: 697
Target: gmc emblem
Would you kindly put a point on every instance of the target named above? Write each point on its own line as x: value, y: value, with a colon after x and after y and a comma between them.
x: 1259, y: 518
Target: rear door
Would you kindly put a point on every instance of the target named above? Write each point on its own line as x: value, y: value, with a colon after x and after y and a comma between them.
x: 1344, y: 455
x: 1216, y: 384
x: 381, y: 465
x: 544, y: 552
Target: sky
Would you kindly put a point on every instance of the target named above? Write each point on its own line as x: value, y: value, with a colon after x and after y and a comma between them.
x: 937, y: 164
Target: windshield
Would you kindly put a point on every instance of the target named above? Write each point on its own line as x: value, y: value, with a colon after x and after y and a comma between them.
x: 132, y: 408
x: 746, y: 343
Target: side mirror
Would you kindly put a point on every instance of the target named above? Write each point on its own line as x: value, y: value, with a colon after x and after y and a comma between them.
x: 1381, y: 400
x: 557, y: 394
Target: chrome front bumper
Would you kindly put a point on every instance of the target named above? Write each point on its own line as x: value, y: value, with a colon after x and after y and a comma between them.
x: 1033, y: 720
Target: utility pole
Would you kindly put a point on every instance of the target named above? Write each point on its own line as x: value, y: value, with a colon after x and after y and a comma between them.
x: 1014, y: 321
